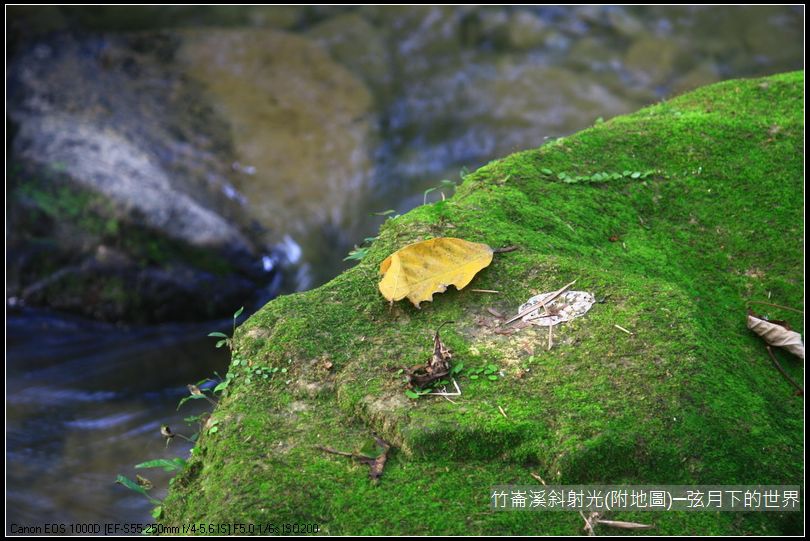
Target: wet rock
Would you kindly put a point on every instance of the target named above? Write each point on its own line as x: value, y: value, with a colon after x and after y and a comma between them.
x: 702, y: 74
x: 593, y: 53
x: 427, y: 36
x: 351, y: 40
x: 527, y: 30
x: 300, y: 123
x: 652, y: 60
x: 520, y: 30
x: 765, y: 37
x: 104, y: 160
x: 111, y: 148
x: 624, y: 23
x: 494, y: 108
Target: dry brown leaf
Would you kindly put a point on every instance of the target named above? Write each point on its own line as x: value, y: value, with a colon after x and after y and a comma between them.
x: 437, y: 367
x: 419, y: 270
x: 777, y: 335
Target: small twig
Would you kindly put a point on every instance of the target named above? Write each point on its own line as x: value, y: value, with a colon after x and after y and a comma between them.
x: 505, y: 249
x: 494, y: 312
x: 537, y: 477
x: 588, y: 525
x: 542, y: 303
x: 448, y: 399
x: 776, y: 306
x: 502, y: 412
x: 624, y: 525
x: 335, y: 451
x: 485, y: 291
x: 622, y: 329
x: 782, y: 370
x: 540, y: 316
x: 376, y: 465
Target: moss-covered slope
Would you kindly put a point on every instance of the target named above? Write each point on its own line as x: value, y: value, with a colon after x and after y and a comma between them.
x: 689, y: 397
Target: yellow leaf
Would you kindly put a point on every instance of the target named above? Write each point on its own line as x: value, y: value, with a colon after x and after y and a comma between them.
x: 419, y: 270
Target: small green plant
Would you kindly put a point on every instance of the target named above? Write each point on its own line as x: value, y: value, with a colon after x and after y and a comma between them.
x: 139, y: 487
x: 416, y: 393
x: 357, y: 254
x: 167, y: 464
x: 197, y: 391
x: 224, y: 338
x: 490, y: 372
x: 602, y: 176
x: 361, y: 251
x: 446, y: 184
x: 263, y: 372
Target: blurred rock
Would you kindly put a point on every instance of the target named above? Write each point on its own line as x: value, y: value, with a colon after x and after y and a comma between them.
x: 624, y: 23
x: 701, y: 75
x: 527, y: 30
x: 111, y: 148
x: 353, y: 42
x: 299, y: 120
x: 651, y: 59
x: 498, y: 108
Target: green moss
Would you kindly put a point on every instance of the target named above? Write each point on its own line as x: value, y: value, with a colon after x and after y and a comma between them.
x: 93, y: 219
x: 689, y: 397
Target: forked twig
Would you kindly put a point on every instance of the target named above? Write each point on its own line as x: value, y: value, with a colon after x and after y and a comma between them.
x: 376, y: 464
x: 595, y: 519
x: 588, y: 523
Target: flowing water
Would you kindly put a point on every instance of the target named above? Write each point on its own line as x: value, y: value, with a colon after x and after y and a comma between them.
x: 84, y: 402
x: 414, y: 95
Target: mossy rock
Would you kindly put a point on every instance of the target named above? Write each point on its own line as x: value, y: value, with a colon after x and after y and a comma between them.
x: 713, y: 218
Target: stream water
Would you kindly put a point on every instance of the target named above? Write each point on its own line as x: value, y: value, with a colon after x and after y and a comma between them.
x: 446, y: 89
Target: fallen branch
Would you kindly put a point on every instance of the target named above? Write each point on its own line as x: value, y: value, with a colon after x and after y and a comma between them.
x: 537, y: 477
x: 505, y: 249
x: 782, y: 370
x: 594, y: 519
x: 376, y: 465
x: 589, y: 522
x: 624, y: 525
x: 776, y: 306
